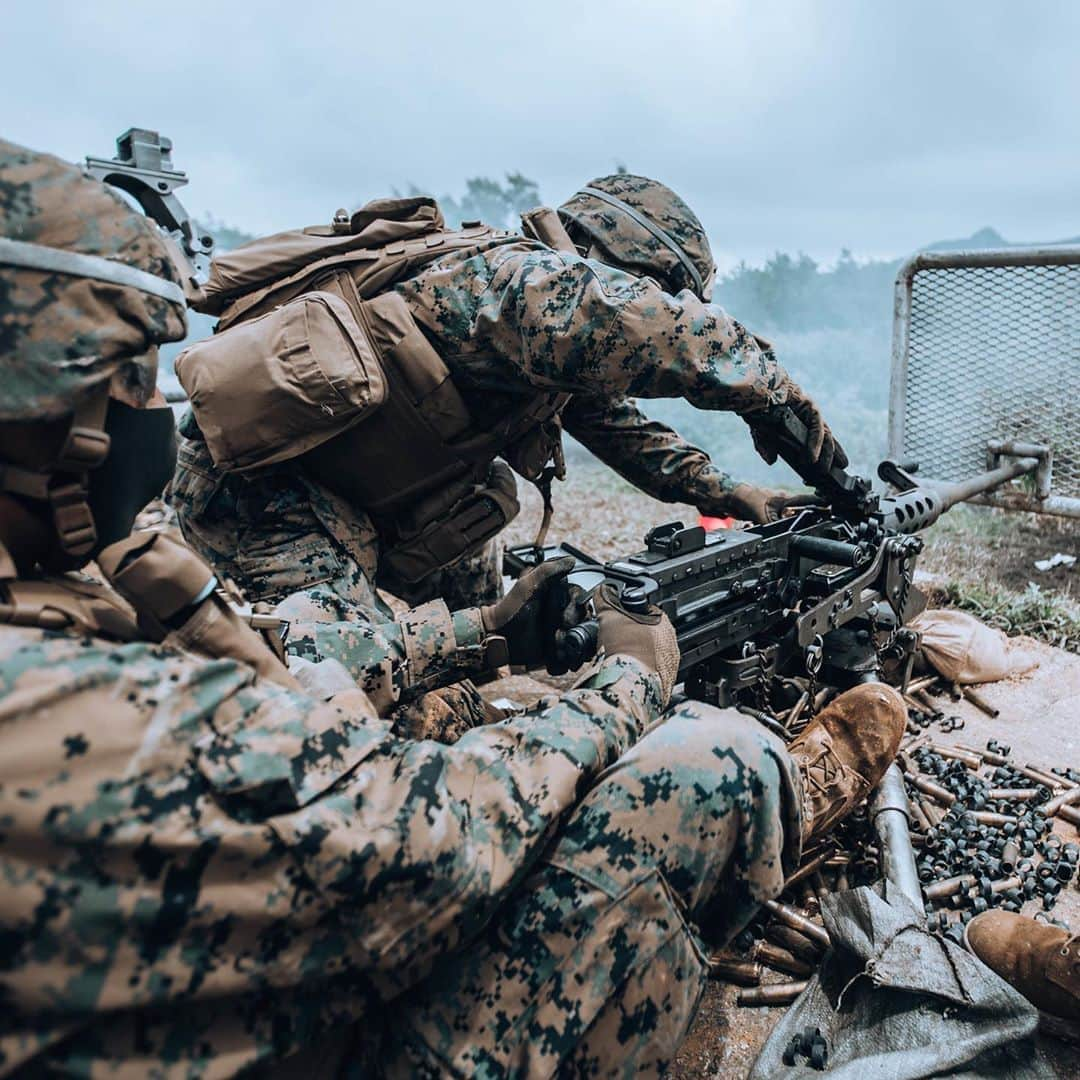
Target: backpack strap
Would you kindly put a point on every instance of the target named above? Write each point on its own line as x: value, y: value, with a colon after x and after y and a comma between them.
x: 63, y: 484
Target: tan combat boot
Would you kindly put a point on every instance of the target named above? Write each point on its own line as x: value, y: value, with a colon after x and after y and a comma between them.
x: 1041, y: 961
x: 845, y: 751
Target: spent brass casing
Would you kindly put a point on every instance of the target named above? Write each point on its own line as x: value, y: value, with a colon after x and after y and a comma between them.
x: 920, y: 683
x: 739, y: 972
x: 928, y: 787
x: 938, y: 890
x: 775, y: 994
x: 797, y: 921
x: 778, y: 959
x: 988, y: 817
x: 972, y: 761
x: 989, y: 756
x: 1066, y: 798
x: 922, y: 822
x: 798, y: 944
x: 979, y: 701
x: 810, y: 867
x: 1050, y: 779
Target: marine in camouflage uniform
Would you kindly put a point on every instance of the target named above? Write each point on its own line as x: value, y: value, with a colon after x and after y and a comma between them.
x: 204, y: 866
x: 628, y: 319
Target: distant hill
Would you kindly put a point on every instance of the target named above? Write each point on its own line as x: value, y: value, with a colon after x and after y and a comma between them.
x: 988, y: 237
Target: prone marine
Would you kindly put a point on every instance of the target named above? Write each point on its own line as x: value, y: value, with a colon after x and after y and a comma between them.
x: 210, y: 862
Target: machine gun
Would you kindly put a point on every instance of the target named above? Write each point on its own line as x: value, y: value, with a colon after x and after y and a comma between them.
x: 824, y: 594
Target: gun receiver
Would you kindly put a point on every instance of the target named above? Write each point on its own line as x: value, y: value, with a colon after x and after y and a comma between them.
x: 826, y: 589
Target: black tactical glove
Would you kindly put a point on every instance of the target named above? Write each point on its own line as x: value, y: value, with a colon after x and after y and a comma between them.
x: 647, y: 636
x: 763, y: 505
x: 535, y: 611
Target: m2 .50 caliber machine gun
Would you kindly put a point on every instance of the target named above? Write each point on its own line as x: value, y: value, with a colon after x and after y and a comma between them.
x: 823, y: 595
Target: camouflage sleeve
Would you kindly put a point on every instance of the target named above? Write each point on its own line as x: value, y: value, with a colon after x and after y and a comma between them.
x: 423, y: 842
x: 391, y: 660
x: 574, y: 324
x: 649, y: 454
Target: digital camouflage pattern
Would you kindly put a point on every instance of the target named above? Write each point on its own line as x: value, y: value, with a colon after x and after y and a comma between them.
x: 509, y: 318
x: 202, y: 869
x: 95, y: 330
x: 282, y: 537
x: 677, y: 845
x: 626, y: 243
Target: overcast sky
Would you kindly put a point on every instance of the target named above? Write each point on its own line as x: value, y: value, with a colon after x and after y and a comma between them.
x: 787, y: 125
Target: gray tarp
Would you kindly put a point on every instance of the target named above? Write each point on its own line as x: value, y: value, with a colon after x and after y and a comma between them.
x: 894, y: 1001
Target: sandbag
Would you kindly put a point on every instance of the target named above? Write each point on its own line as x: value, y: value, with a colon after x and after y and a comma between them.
x: 965, y: 650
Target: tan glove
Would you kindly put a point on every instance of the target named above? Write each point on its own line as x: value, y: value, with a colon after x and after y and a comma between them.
x: 646, y: 636
x: 763, y: 505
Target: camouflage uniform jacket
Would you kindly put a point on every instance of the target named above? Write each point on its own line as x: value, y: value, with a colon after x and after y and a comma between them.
x: 520, y: 316
x: 202, y: 869
x: 507, y: 318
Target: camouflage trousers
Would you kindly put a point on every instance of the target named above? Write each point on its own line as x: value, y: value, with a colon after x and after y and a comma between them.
x: 596, y: 964
x: 277, y: 532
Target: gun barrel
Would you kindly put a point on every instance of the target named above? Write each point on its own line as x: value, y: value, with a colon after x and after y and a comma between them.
x: 911, y: 511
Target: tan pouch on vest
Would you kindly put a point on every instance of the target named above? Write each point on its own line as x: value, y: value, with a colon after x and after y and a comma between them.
x: 452, y: 524
x: 272, y: 388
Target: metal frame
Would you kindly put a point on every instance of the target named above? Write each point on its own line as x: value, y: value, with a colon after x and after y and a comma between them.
x: 1059, y: 255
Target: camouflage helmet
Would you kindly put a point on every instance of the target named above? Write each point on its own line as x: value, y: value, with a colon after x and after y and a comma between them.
x: 87, y: 289
x: 642, y: 226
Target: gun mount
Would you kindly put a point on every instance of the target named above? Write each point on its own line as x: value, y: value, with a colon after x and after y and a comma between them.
x: 143, y: 168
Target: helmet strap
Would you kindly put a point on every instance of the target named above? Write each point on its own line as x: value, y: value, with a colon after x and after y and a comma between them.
x: 650, y: 226
x: 63, y: 484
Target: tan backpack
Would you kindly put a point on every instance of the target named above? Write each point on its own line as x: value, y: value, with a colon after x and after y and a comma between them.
x: 315, y: 357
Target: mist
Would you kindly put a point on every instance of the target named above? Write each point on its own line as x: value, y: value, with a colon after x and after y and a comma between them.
x: 787, y: 126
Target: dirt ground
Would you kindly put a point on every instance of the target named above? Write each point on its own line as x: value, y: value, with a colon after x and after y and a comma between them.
x: 1039, y: 714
